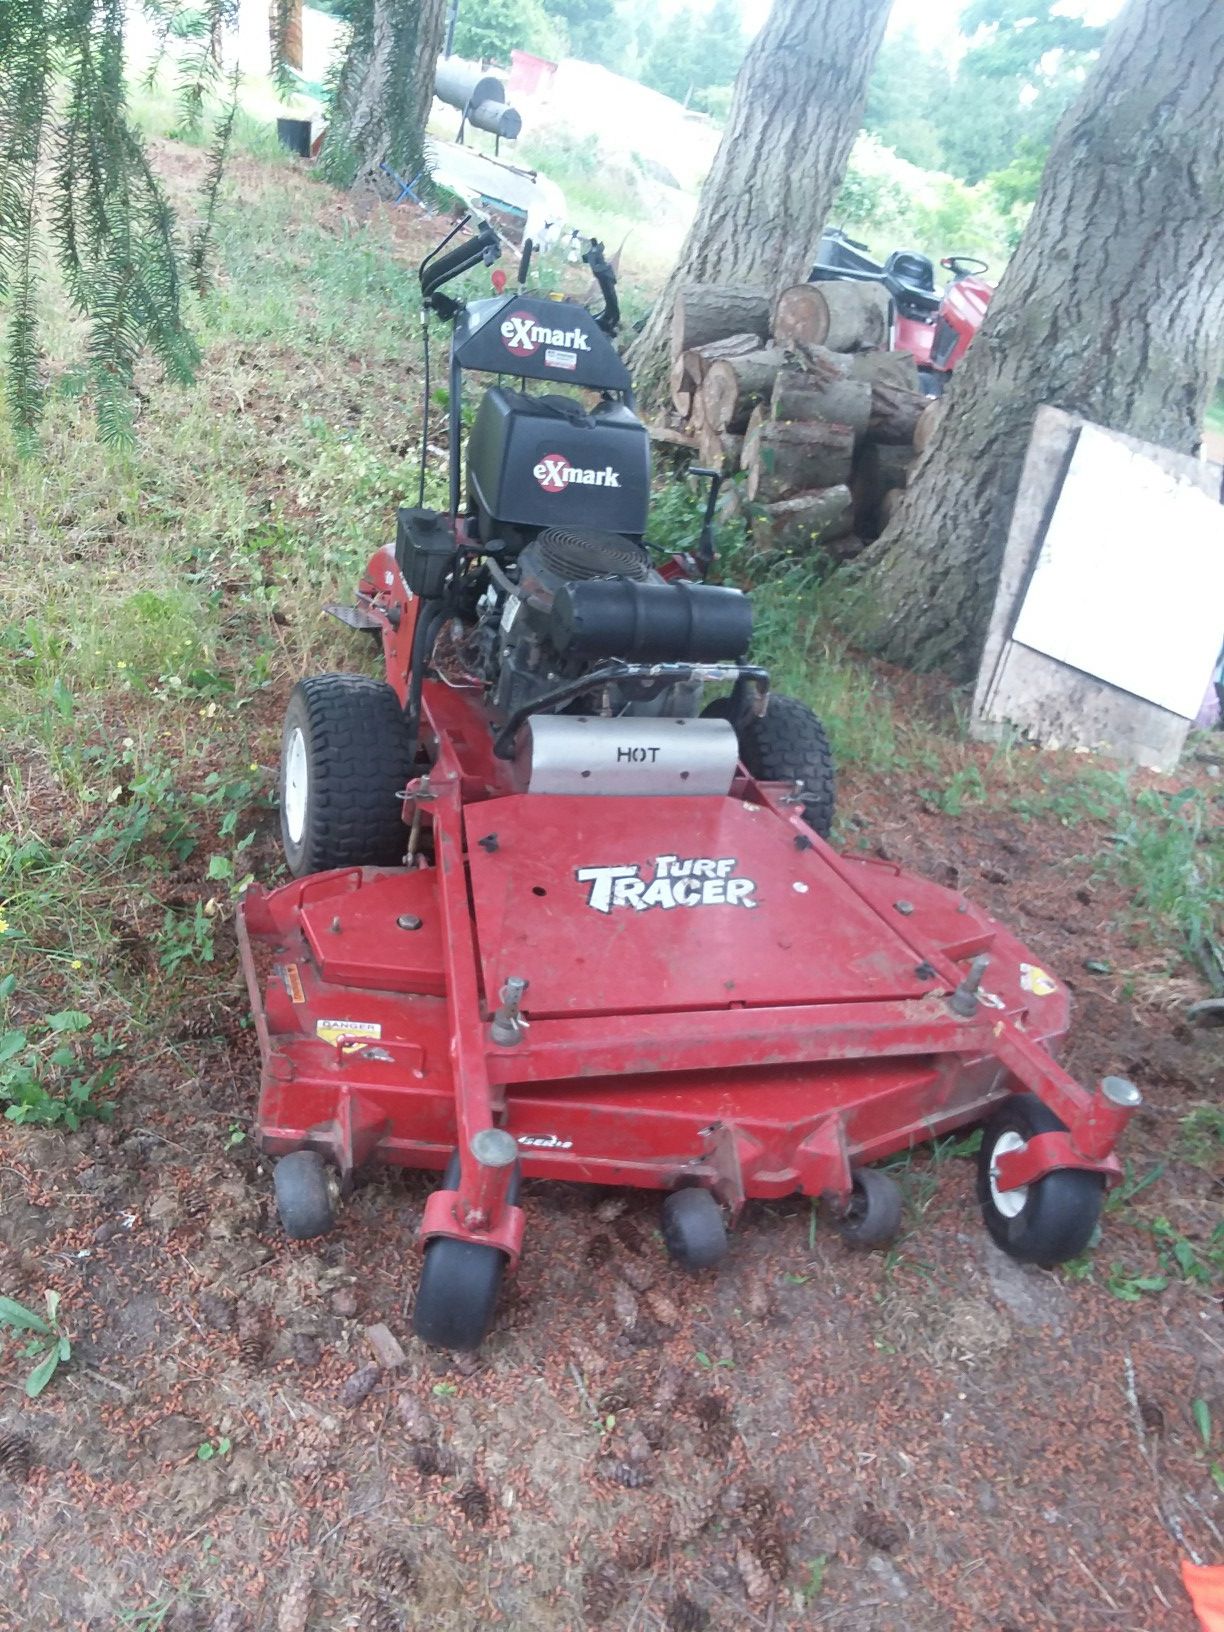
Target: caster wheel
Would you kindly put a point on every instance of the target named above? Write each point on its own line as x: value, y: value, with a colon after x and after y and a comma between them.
x: 873, y: 1217
x: 693, y: 1229
x: 457, y: 1293
x: 1043, y: 1223
x: 304, y: 1196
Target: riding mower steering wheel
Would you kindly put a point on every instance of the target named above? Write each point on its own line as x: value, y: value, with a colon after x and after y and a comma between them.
x: 962, y: 266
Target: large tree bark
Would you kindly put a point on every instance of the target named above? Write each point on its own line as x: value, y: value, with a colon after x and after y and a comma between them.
x: 1113, y: 308
x: 796, y: 107
x: 385, y: 91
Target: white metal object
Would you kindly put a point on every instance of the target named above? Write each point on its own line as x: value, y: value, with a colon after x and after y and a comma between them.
x: 297, y: 778
x: 564, y: 753
x: 1129, y: 583
x: 1007, y: 1202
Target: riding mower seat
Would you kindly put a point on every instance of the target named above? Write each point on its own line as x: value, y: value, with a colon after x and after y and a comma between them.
x: 911, y: 277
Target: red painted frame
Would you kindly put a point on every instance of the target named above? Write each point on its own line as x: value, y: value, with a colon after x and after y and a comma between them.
x: 748, y: 1098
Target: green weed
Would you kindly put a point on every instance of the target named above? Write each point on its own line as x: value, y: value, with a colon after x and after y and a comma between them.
x: 47, y: 1343
x: 44, y: 1076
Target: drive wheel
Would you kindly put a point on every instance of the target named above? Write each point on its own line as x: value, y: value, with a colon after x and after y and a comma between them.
x: 457, y: 1293
x: 788, y: 744
x: 693, y: 1229
x: 1043, y: 1223
x: 305, y: 1197
x: 873, y: 1216
x: 344, y: 761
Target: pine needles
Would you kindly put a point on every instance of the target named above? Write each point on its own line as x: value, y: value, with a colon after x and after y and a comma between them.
x: 75, y: 180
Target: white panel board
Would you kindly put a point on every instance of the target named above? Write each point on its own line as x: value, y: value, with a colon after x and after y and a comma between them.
x: 1129, y: 584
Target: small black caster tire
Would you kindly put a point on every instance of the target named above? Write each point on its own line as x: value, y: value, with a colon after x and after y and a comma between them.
x: 1044, y: 1223
x: 457, y: 1293
x: 304, y: 1195
x: 788, y: 744
x: 694, y: 1231
x: 873, y: 1216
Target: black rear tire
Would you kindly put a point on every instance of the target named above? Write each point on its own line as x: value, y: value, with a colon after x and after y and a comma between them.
x: 873, y: 1217
x: 788, y: 744
x: 693, y: 1229
x: 1047, y: 1222
x: 344, y: 761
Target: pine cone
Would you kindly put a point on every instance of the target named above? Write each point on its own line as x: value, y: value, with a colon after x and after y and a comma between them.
x: 473, y: 1502
x: 231, y: 1617
x: 683, y: 1615
x: 198, y: 1204
x: 771, y: 1551
x: 637, y: 1275
x: 629, y: 1236
x: 654, y: 1430
x: 662, y: 1308
x: 612, y: 1208
x: 394, y: 1570
x: 645, y: 1334
x: 625, y: 1305
x: 642, y: 1551
x: 200, y: 1020
x: 356, y: 1387
x: 415, y: 1420
x: 589, y: 1360
x: 629, y: 1474
x: 16, y: 1455
x: 294, y: 1609
x: 603, y: 1590
x: 711, y: 1408
x: 756, y: 1582
x: 598, y: 1250
x: 695, y: 1502
x: 637, y: 1447
x: 374, y: 1615
x: 252, y: 1341
x: 432, y: 1461
x: 669, y: 1385
x: 759, y: 1504
x: 757, y: 1301
x: 617, y: 1397
x: 718, y: 1440
x: 879, y: 1531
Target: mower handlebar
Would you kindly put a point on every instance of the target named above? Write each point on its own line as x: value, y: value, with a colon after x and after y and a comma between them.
x: 485, y: 246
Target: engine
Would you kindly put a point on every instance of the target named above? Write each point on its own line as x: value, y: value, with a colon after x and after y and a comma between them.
x: 579, y: 598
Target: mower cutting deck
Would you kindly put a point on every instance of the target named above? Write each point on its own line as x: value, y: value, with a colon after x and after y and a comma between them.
x: 553, y: 922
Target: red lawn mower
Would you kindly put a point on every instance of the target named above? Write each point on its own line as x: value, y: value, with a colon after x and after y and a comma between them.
x: 935, y: 328
x: 563, y: 904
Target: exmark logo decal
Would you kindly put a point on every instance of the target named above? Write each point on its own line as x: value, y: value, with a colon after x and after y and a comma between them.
x: 555, y: 473
x: 522, y: 335
x: 697, y: 881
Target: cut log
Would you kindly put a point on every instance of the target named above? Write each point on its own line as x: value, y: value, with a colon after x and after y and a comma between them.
x: 697, y: 419
x: 681, y: 385
x: 889, y: 505
x: 671, y: 437
x: 733, y: 386
x: 720, y: 450
x: 885, y: 368
x: 895, y: 413
x: 699, y: 358
x: 798, y: 394
x: 928, y: 423
x: 824, y: 366
x: 709, y: 311
x: 791, y: 456
x: 804, y: 521
x: 752, y: 435
x: 841, y: 316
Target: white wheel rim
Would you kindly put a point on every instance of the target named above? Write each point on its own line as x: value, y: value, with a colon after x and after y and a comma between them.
x: 296, y: 785
x: 1007, y: 1202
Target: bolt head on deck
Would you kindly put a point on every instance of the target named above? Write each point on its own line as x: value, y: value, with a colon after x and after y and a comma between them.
x: 494, y: 1147
x: 1121, y: 1091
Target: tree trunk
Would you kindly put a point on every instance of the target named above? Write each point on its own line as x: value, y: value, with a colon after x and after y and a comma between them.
x: 707, y: 312
x: 733, y: 386
x: 385, y: 91
x: 799, y: 395
x: 840, y: 316
x: 895, y: 413
x: 1112, y: 308
x: 719, y: 450
x: 806, y: 520
x: 788, y: 458
x: 794, y: 114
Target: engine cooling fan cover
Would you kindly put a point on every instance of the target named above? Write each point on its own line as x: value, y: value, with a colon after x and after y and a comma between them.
x: 575, y: 553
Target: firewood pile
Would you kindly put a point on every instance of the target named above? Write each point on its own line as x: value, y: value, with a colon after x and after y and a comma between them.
x: 802, y: 394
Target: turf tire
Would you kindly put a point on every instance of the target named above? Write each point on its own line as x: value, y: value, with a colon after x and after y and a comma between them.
x: 346, y: 736
x: 304, y: 1198
x: 693, y: 1229
x: 788, y: 744
x: 873, y: 1217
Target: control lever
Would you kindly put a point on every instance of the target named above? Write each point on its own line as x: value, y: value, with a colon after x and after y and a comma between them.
x: 704, y: 553
x: 525, y: 261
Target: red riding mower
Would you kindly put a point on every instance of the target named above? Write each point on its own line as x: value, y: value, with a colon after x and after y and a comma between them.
x: 553, y: 918
x: 935, y: 328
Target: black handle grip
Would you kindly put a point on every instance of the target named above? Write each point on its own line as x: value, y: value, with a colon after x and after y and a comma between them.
x: 525, y: 261
x: 485, y: 246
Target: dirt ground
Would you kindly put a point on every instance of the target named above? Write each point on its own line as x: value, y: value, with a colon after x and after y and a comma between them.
x: 932, y: 1440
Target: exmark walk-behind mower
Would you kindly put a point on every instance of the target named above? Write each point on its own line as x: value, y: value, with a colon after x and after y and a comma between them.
x: 554, y: 919
x: 934, y: 327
